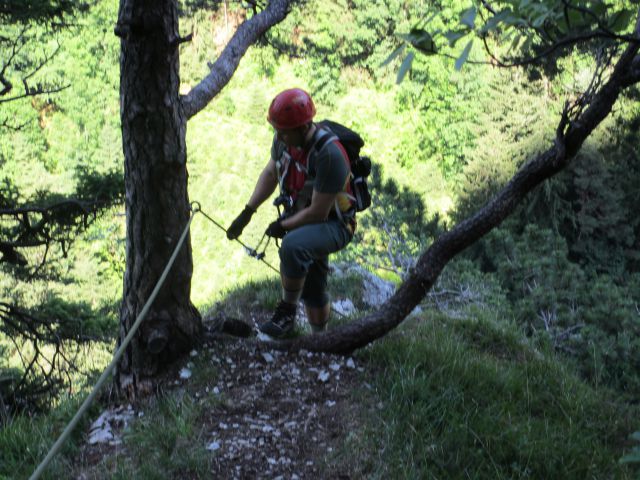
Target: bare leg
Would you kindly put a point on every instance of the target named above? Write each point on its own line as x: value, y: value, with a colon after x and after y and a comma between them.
x: 291, y: 289
x: 318, y: 317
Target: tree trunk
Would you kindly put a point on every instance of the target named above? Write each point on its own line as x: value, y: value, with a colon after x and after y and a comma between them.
x: 157, y: 203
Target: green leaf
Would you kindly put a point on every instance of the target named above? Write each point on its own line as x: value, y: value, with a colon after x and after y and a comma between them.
x: 419, y: 39
x: 599, y: 8
x: 539, y: 21
x: 423, y: 41
x: 468, y: 17
x: 621, y: 20
x: 464, y: 55
x: 516, y: 42
x: 573, y: 20
x: 453, y: 37
x: 504, y: 16
x: 391, y: 58
x: 405, y: 66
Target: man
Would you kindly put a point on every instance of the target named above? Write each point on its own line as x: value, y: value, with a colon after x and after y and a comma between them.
x: 312, y: 170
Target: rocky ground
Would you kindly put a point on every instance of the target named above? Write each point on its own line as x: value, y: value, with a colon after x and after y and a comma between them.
x: 280, y: 415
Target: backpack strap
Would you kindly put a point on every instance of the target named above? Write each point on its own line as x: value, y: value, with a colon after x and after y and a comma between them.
x: 325, y: 138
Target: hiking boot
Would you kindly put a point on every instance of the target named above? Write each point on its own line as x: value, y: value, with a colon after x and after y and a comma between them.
x: 282, y: 322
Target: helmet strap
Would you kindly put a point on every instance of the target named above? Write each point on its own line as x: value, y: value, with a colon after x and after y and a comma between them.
x: 308, y: 136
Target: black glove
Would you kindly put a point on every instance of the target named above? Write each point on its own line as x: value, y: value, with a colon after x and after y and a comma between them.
x: 239, y: 223
x: 275, y: 230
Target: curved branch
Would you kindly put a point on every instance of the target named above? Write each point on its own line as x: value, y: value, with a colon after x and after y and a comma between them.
x: 361, y: 332
x: 225, y: 66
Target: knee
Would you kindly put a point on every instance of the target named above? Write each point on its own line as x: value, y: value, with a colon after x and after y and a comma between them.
x: 291, y: 251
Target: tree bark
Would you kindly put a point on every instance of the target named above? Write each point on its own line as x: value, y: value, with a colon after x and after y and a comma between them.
x: 360, y: 333
x: 157, y: 203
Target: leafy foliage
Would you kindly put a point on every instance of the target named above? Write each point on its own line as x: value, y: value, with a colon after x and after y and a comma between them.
x: 58, y: 182
x: 521, y: 31
x: 587, y: 316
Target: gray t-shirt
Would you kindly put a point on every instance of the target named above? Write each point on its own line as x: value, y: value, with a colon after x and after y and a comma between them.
x: 327, y: 172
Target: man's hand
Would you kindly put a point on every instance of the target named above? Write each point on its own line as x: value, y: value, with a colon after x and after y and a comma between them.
x: 275, y: 230
x: 239, y: 223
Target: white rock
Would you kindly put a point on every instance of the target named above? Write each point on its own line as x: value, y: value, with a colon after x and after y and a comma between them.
x: 375, y: 290
x: 101, y: 430
x: 267, y: 357
x: 185, y: 373
x: 344, y: 307
x: 101, y: 436
x: 216, y: 390
x: 213, y: 446
x: 263, y: 337
x: 329, y: 403
x: 193, y: 353
x: 272, y: 461
x: 351, y: 363
x: 323, y: 376
x: 334, y: 366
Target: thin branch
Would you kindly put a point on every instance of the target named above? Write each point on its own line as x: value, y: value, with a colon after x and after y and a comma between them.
x: 224, y: 67
x: 5, y: 124
x: 34, y: 92
x: 46, y: 59
x: 566, y: 42
x: 486, y: 5
x: 584, y: 11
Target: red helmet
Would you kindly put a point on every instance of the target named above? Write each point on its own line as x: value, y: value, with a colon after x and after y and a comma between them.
x: 290, y: 109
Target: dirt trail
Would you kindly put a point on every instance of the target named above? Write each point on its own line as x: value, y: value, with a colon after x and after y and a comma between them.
x: 279, y: 415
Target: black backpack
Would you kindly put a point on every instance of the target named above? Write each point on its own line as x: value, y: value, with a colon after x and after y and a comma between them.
x: 360, y: 166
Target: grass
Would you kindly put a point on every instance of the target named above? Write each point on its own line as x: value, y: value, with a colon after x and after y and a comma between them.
x: 25, y: 441
x: 450, y: 398
x: 168, y: 442
x: 467, y: 399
